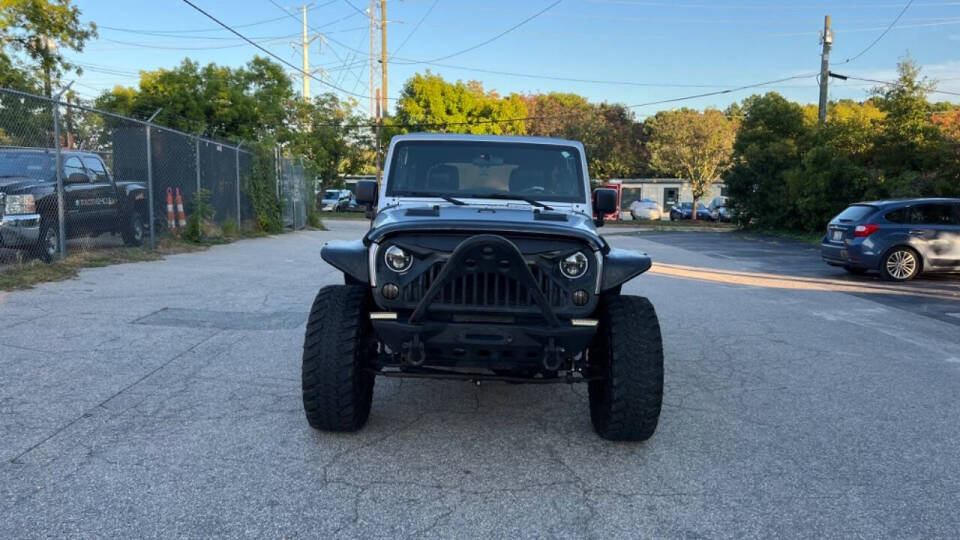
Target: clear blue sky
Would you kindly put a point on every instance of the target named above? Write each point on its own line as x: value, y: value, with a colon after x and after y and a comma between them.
x: 688, y: 46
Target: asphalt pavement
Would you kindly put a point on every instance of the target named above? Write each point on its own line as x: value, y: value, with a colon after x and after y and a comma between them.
x: 161, y: 399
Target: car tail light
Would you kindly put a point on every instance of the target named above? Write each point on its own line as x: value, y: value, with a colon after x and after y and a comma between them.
x: 865, y: 230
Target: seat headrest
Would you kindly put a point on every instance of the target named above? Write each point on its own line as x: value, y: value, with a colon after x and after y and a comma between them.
x: 443, y: 178
x: 522, y: 179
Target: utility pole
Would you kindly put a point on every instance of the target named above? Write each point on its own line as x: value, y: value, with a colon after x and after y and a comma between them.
x: 377, y: 137
x: 373, y: 70
x: 383, y: 57
x: 304, y: 46
x: 826, y: 39
x: 306, y: 56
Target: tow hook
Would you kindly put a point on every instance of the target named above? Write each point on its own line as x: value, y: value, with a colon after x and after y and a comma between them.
x: 552, y: 356
x: 413, y: 351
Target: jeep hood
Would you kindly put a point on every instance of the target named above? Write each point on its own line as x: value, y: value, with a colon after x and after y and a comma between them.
x: 484, y: 219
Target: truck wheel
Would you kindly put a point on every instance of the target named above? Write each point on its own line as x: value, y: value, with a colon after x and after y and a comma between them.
x: 337, y: 389
x: 628, y: 353
x: 48, y: 247
x: 132, y: 231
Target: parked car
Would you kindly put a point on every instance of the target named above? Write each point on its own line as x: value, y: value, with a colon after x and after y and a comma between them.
x: 336, y: 200
x: 719, y: 211
x: 684, y: 210
x: 94, y: 202
x: 900, y: 239
x: 646, y: 209
x: 500, y: 277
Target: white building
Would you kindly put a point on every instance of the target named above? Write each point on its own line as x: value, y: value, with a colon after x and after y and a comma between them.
x: 666, y: 191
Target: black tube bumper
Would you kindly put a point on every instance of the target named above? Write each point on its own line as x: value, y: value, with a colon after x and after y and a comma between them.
x: 488, y: 346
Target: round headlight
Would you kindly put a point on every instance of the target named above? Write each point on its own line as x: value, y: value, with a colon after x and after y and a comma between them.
x: 397, y: 259
x: 574, y: 266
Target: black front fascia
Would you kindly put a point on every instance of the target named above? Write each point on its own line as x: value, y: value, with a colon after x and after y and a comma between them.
x: 487, y: 255
x: 494, y: 291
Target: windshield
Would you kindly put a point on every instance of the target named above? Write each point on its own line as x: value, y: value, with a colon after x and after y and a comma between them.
x: 29, y: 164
x: 464, y: 169
x: 331, y: 194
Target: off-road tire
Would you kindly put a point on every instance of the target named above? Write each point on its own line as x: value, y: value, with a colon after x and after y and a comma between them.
x: 47, y: 247
x: 337, y: 389
x: 132, y: 230
x: 628, y: 353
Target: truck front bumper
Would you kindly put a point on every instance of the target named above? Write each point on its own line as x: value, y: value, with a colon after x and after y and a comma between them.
x: 20, y: 230
x: 486, y: 346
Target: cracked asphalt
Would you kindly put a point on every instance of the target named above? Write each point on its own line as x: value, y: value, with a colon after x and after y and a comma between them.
x: 162, y: 399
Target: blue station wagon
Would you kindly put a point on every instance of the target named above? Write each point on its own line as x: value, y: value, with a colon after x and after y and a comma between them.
x: 900, y: 238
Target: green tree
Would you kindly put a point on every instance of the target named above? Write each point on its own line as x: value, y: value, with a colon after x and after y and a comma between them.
x: 246, y: 103
x: 37, y: 32
x: 432, y: 104
x: 609, y: 133
x: 911, y: 148
x: 769, y: 143
x: 692, y: 145
x: 835, y: 168
x: 324, y: 136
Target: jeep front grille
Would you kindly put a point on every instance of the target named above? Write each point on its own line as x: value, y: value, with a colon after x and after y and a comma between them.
x: 482, y: 289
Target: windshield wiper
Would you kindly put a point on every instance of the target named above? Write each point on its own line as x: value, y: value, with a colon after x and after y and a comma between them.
x: 512, y: 197
x: 447, y: 198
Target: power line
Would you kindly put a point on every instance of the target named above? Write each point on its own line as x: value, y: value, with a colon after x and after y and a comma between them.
x: 416, y: 27
x: 874, y: 42
x: 274, y: 56
x: 888, y: 83
x: 196, y: 30
x: 324, y: 36
x: 719, y: 92
x: 494, y: 38
x: 154, y: 45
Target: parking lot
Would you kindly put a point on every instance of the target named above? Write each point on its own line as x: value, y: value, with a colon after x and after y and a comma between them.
x: 162, y: 399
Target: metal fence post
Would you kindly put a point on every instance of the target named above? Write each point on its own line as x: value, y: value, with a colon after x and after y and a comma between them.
x: 237, y: 166
x: 198, y: 164
x: 153, y: 243
x: 61, y: 220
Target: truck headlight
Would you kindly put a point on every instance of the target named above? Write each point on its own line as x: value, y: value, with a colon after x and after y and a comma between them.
x: 20, y: 204
x: 397, y: 259
x: 574, y: 265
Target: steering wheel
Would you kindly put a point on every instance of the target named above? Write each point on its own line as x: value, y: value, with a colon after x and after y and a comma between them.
x: 533, y: 190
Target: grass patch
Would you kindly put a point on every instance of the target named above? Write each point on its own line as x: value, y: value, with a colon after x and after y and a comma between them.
x: 25, y: 276
x: 812, y: 239
x: 685, y: 225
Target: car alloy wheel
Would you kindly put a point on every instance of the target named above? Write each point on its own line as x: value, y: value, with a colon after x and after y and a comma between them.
x: 901, y: 264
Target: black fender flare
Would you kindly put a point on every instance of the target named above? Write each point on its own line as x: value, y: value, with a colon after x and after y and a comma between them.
x: 622, y: 265
x: 351, y: 258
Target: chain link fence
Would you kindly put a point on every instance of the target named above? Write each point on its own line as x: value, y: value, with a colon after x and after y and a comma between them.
x: 74, y: 178
x: 295, y: 192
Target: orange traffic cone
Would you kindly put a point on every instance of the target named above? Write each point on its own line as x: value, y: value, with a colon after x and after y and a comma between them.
x: 170, y: 223
x: 181, y: 217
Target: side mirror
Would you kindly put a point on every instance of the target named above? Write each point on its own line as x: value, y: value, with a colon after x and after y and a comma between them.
x: 367, y: 192
x: 78, y: 178
x: 604, y: 202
